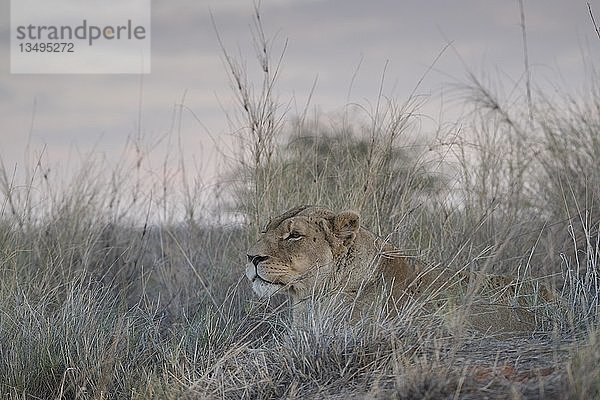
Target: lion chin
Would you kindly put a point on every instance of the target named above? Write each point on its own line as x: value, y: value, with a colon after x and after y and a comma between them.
x: 312, y: 253
x: 261, y: 287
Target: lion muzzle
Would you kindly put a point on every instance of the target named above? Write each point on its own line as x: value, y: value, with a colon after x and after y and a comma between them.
x: 261, y: 286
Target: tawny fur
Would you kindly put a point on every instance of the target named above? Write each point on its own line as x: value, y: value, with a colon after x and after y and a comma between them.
x: 312, y: 253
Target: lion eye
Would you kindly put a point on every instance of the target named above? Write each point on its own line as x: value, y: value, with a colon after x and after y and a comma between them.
x: 293, y: 236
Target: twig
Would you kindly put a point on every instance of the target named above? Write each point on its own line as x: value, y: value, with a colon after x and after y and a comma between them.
x: 526, y: 62
x: 593, y: 19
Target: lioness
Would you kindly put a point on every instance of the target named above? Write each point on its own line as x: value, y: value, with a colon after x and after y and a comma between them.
x: 311, y: 252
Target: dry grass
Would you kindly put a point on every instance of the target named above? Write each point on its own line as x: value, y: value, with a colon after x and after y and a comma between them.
x: 103, y: 294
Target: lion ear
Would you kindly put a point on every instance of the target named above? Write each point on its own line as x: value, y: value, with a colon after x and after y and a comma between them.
x: 345, y: 225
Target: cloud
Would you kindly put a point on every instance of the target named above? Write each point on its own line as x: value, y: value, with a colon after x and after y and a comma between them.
x: 325, y: 39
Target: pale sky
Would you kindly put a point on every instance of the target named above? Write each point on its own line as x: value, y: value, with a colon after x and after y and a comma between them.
x: 72, y: 115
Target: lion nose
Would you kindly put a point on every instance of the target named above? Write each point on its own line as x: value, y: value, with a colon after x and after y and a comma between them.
x: 256, y: 259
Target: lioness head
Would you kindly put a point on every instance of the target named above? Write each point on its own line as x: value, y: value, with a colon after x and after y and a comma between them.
x: 300, y: 248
